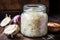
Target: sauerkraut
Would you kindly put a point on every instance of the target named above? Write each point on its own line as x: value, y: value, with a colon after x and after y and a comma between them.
x: 34, y: 24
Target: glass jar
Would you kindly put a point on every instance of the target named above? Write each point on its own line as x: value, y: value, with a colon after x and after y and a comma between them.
x: 34, y: 20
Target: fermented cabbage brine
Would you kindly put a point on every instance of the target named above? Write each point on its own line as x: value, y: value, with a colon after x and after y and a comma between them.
x: 34, y: 20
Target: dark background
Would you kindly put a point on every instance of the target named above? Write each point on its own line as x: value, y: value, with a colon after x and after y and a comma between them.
x: 18, y: 4
x: 54, y: 11
x: 53, y: 6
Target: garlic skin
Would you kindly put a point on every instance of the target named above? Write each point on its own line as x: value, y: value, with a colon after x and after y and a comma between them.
x: 11, y: 29
x: 16, y: 19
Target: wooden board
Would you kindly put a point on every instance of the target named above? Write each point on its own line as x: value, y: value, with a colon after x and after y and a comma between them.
x: 19, y: 36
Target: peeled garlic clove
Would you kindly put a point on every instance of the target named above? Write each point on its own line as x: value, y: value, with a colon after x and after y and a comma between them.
x: 5, y: 21
x: 11, y: 29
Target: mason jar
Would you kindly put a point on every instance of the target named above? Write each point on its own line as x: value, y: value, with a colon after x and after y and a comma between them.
x: 34, y: 20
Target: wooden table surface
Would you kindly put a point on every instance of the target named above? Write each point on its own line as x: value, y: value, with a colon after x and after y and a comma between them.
x: 19, y: 36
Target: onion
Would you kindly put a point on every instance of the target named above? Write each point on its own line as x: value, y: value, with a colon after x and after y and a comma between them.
x: 16, y: 19
x: 11, y: 29
x: 53, y: 27
x: 5, y: 21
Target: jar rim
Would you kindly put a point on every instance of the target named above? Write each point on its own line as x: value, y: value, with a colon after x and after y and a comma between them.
x: 39, y: 6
